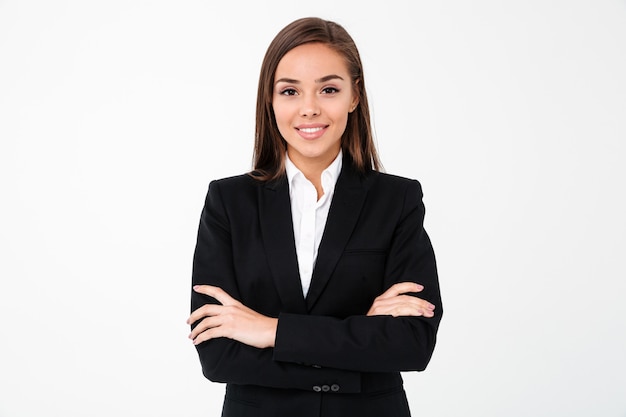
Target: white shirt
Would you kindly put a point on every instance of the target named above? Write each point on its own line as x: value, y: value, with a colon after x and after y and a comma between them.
x: 309, y: 214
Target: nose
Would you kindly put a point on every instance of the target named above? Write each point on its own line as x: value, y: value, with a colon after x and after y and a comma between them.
x: 310, y: 106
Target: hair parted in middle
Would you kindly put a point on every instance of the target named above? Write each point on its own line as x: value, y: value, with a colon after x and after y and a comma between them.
x: 357, y: 141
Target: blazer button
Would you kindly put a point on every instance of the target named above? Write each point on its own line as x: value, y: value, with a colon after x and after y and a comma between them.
x: 325, y: 388
x: 317, y: 388
x: 334, y: 388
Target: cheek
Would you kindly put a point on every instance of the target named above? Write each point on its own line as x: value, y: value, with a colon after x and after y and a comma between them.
x: 340, y: 108
x: 282, y: 119
x: 340, y: 114
x: 281, y: 113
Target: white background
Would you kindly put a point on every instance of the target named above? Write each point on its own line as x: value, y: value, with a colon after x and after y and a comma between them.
x: 115, y: 115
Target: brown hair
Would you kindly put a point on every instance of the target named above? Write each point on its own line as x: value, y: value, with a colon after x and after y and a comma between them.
x: 269, y: 146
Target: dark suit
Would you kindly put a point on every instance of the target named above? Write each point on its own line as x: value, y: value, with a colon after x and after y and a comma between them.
x: 329, y: 358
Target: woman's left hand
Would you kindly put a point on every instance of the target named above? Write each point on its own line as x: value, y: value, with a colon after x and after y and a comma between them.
x: 395, y: 302
x: 231, y: 319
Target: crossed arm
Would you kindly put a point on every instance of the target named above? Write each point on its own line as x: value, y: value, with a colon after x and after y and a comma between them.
x: 233, y: 320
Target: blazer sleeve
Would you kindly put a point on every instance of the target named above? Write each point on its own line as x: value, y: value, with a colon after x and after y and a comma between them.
x: 378, y: 343
x: 226, y: 360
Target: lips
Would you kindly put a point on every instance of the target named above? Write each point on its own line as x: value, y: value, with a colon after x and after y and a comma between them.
x: 311, y: 131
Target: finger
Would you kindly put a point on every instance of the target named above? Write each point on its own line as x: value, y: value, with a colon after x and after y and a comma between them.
x: 212, y: 333
x: 402, y: 305
x: 405, y: 299
x: 419, y: 302
x: 400, y: 310
x: 411, y: 311
x: 402, y: 288
x: 204, y: 311
x: 205, y: 324
x: 216, y: 292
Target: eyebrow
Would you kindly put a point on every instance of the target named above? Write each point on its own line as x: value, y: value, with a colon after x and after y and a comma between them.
x: 318, y: 81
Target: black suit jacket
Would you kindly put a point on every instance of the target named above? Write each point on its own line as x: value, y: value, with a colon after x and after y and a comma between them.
x: 329, y: 358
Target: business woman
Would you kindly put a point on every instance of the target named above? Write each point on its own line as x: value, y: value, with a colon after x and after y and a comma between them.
x: 314, y: 282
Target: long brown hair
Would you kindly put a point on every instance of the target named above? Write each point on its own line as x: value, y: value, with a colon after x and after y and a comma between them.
x: 269, y: 146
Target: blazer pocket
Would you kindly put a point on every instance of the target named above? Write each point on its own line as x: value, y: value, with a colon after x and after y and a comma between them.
x: 364, y: 264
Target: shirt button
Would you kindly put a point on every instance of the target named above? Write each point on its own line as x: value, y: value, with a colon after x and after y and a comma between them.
x: 325, y: 388
x: 334, y: 388
x: 317, y: 388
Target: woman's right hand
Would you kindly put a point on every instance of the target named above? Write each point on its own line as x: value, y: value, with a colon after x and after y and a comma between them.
x: 396, y: 302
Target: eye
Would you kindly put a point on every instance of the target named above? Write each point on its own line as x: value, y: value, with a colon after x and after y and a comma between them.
x: 330, y: 90
x: 288, y: 92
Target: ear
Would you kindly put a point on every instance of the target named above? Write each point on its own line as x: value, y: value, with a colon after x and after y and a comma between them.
x: 355, y: 97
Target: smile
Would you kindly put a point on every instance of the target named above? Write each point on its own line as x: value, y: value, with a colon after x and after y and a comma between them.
x: 310, y: 129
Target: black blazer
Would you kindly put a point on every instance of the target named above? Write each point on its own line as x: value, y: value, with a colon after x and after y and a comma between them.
x: 329, y: 358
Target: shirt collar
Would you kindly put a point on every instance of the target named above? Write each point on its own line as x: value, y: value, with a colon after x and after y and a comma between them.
x: 331, y: 173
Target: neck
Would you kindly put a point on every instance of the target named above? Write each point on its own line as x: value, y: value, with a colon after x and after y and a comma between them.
x: 312, y: 170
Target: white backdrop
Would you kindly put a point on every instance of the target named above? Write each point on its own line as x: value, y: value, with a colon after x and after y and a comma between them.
x: 115, y: 115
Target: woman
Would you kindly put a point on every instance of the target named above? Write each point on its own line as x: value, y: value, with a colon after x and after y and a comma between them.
x: 306, y: 270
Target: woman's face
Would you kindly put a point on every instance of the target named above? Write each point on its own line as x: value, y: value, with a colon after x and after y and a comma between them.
x: 312, y: 97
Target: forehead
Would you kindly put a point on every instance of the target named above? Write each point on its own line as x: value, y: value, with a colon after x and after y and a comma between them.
x: 311, y: 60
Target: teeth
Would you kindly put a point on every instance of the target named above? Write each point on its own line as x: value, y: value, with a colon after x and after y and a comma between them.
x: 311, y: 129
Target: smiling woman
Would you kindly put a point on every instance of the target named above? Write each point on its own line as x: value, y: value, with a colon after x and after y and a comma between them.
x: 307, y: 269
x: 312, y: 99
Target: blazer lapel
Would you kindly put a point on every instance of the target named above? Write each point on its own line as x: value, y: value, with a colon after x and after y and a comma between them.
x: 277, y: 231
x: 350, y: 192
